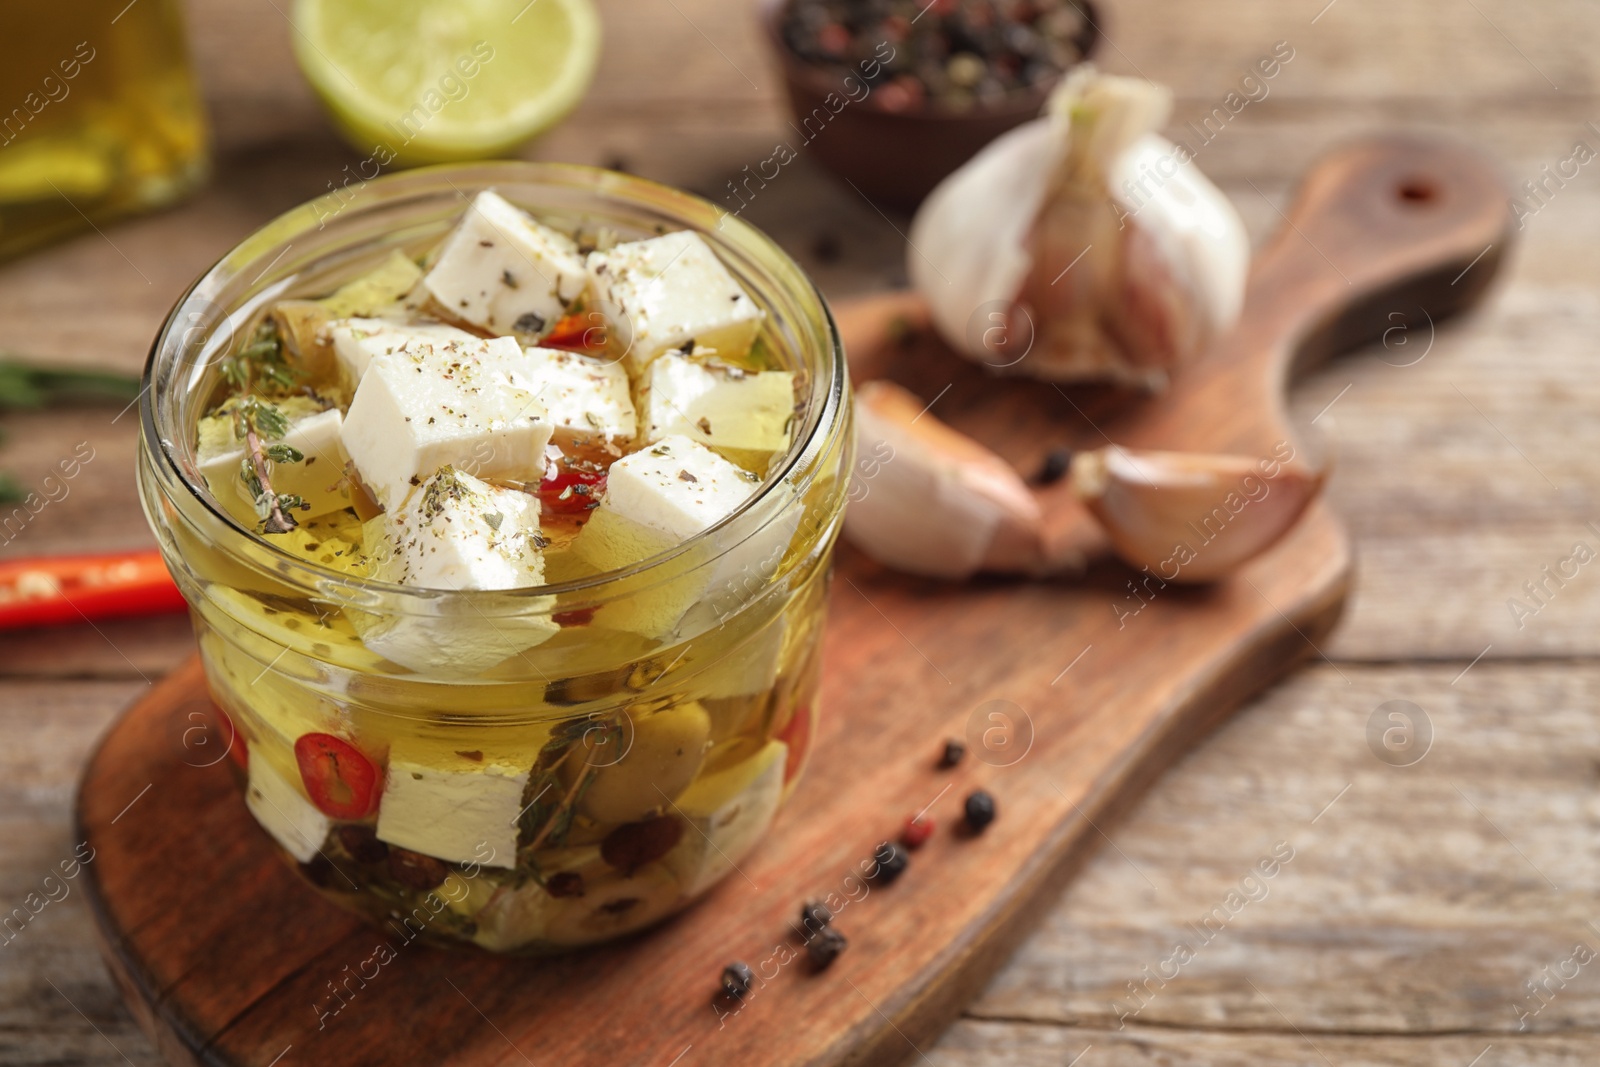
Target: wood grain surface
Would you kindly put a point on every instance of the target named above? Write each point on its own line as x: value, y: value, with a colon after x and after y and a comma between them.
x: 1414, y: 912
x: 180, y: 898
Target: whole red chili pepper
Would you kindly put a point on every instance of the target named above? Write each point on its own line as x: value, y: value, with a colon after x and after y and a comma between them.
x: 56, y: 590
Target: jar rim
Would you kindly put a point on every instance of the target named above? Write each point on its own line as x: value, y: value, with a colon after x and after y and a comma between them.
x: 824, y: 362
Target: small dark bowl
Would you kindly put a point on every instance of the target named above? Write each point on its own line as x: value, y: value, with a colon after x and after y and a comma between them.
x: 896, y: 158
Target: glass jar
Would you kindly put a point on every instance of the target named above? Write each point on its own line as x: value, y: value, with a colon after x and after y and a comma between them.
x: 548, y: 796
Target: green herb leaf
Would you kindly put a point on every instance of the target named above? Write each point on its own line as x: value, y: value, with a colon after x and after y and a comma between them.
x: 252, y: 483
x: 30, y: 385
x: 281, y: 453
x: 269, y: 421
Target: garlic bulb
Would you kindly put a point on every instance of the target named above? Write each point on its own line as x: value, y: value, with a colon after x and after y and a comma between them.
x: 1082, y: 245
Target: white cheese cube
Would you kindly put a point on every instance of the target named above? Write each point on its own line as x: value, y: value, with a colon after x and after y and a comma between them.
x: 744, y: 415
x: 318, y: 477
x: 463, y: 404
x: 728, y: 812
x: 505, y: 272
x: 676, y: 488
x: 357, y: 342
x: 752, y: 669
x: 585, y: 397
x: 669, y: 291
x: 466, y: 813
x: 458, y: 533
x: 376, y: 291
x: 283, y: 811
x: 459, y: 813
x: 658, y: 498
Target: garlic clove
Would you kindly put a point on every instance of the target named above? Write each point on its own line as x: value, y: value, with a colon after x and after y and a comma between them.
x: 1191, y: 517
x: 928, y: 500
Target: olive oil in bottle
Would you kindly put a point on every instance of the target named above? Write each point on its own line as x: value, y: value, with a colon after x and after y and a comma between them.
x: 100, y: 116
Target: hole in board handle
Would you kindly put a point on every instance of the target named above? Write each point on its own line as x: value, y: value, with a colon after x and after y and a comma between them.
x: 1417, y: 191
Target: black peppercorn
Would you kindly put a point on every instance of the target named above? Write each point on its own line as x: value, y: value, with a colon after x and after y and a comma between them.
x: 737, y: 978
x: 814, y: 916
x: 1055, y: 467
x: 416, y: 871
x: 362, y: 844
x: 825, y: 947
x: 565, y: 884
x: 953, y: 751
x: 980, y: 811
x: 890, y: 860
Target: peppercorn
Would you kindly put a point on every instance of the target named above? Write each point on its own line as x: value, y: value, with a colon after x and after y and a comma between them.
x: 980, y: 811
x: 889, y: 861
x: 825, y: 947
x: 737, y: 978
x: 362, y: 844
x: 416, y: 871
x: 953, y: 751
x: 1055, y: 467
x: 917, y: 830
x: 632, y: 845
x: 565, y: 884
x: 814, y: 916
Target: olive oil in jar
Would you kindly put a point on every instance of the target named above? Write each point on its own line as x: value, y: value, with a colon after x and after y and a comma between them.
x: 100, y: 116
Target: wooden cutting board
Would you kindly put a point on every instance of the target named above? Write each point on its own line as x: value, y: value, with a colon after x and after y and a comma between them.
x: 227, y: 958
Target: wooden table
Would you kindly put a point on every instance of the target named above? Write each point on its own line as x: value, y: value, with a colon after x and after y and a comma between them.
x: 1422, y: 902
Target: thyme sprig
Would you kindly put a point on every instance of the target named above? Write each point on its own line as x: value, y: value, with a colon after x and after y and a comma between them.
x: 261, y: 364
x: 28, y: 386
x: 32, y: 385
x: 547, y: 821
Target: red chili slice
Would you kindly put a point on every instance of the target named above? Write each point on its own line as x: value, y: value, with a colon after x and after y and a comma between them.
x: 570, y: 491
x: 575, y: 617
x: 238, y: 748
x: 582, y: 332
x: 797, y: 735
x: 342, y: 782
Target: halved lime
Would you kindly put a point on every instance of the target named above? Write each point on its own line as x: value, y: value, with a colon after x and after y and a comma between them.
x: 427, y: 81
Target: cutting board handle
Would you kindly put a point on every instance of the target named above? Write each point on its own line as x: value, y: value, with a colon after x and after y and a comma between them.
x: 1385, y: 236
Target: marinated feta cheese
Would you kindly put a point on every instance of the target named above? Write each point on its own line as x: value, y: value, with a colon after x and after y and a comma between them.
x: 672, y: 490
x: 283, y: 811
x: 459, y: 811
x: 744, y: 415
x: 387, y: 284
x: 669, y: 291
x: 318, y: 477
x: 655, y: 499
x: 753, y: 668
x: 455, y: 533
x: 569, y: 604
x: 462, y: 533
x: 505, y: 272
x: 464, y: 404
x: 357, y: 342
x: 729, y: 811
x: 586, y: 398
